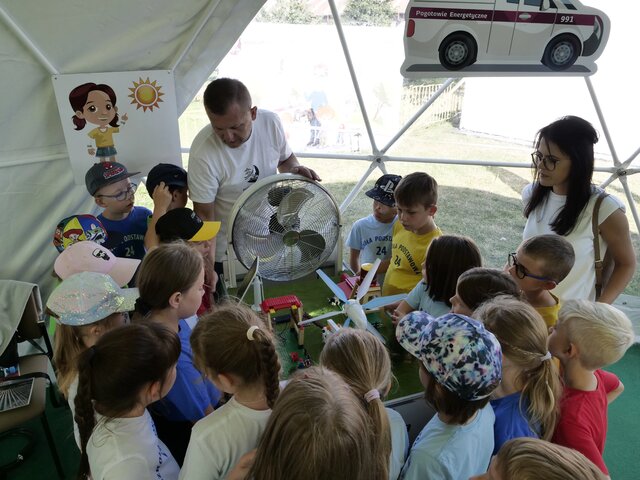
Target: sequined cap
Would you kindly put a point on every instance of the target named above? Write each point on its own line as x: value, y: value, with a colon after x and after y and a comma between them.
x: 458, y: 351
x: 86, y: 297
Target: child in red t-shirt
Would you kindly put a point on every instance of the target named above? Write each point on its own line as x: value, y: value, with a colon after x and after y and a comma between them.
x: 587, y: 337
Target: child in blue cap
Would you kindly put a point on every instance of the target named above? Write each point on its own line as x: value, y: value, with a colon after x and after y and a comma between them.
x: 460, y: 366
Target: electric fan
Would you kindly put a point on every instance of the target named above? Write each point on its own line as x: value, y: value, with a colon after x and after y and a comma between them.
x: 289, y: 222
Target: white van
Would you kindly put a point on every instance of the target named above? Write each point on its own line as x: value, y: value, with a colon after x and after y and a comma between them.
x: 503, y: 36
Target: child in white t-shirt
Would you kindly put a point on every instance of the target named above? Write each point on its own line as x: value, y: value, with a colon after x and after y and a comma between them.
x: 127, y: 369
x: 370, y: 237
x: 236, y: 350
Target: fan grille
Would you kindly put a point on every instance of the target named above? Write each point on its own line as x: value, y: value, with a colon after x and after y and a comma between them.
x: 291, y: 224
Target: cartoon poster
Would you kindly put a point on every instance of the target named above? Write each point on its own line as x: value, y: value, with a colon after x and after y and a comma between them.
x: 502, y: 38
x: 126, y: 117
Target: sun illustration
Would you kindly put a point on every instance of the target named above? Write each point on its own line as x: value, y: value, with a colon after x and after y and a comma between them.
x: 146, y: 94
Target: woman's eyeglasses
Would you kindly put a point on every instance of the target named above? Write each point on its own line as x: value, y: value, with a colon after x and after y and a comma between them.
x: 123, y: 194
x: 521, y: 272
x: 548, y: 161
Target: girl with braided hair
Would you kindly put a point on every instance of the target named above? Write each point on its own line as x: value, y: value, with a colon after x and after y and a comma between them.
x: 236, y: 350
x: 127, y: 369
x: 527, y: 401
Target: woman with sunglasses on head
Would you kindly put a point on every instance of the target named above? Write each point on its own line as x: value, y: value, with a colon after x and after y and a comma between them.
x: 562, y: 199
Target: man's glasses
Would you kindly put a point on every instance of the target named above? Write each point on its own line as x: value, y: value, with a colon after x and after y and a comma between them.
x: 521, y: 272
x: 123, y: 194
x: 548, y: 161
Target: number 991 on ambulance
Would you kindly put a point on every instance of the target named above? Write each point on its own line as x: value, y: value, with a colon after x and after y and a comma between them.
x: 518, y: 36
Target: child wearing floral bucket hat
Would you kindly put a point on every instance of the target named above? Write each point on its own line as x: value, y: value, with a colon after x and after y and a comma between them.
x: 86, y: 304
x: 460, y: 366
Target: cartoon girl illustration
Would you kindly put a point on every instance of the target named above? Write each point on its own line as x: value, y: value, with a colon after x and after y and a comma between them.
x: 96, y: 104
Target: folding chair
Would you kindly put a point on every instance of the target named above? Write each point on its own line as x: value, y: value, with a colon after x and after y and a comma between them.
x: 28, y: 325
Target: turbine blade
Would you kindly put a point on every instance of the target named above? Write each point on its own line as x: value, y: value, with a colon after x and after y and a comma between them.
x: 363, y: 288
x: 320, y: 317
x: 337, y: 291
x: 382, y: 301
x: 373, y: 330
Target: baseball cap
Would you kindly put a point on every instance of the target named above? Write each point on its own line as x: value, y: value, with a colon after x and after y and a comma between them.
x: 105, y: 173
x: 87, y: 297
x: 168, y: 173
x: 91, y: 257
x: 185, y: 224
x: 77, y: 228
x: 458, y: 351
x: 382, y: 191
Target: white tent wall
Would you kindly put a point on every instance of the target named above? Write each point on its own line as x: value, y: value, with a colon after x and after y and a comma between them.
x: 39, y: 39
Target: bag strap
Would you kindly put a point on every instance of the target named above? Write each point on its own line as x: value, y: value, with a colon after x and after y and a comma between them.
x: 596, y: 243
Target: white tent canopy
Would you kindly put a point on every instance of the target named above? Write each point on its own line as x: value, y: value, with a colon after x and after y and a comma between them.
x: 39, y: 39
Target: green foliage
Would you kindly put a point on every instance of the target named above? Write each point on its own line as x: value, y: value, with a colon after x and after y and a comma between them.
x: 377, y: 13
x: 288, y: 11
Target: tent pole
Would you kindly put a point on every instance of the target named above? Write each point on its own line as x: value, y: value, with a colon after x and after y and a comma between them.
x: 35, y: 51
x: 375, y: 163
x: 354, y: 78
x: 605, y: 129
x: 417, y: 115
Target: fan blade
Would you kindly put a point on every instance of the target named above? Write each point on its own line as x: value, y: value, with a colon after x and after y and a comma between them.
x: 363, y: 288
x: 337, y: 291
x: 382, y: 301
x: 311, y: 244
x: 265, y: 247
x: 276, y: 194
x: 290, y: 206
x: 373, y: 330
x: 347, y: 322
x: 320, y: 317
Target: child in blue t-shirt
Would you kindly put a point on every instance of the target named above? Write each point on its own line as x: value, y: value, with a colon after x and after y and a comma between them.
x: 526, y: 404
x: 370, y: 237
x: 460, y: 367
x: 126, y: 225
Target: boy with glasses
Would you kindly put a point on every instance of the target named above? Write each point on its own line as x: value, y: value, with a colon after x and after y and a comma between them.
x: 537, y: 266
x: 126, y: 225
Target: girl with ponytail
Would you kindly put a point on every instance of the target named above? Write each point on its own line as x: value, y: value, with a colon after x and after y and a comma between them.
x: 127, y: 369
x: 236, y: 350
x: 526, y: 403
x: 171, y: 281
x: 364, y: 364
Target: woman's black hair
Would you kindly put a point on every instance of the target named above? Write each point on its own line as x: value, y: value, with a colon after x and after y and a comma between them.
x: 575, y: 137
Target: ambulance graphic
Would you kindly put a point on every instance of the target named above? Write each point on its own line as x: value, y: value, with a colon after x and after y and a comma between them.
x: 502, y: 37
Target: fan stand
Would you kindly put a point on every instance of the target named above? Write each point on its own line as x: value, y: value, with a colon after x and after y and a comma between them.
x: 258, y: 294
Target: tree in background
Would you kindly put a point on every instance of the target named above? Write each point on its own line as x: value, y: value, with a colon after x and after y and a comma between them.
x: 377, y: 13
x: 288, y: 11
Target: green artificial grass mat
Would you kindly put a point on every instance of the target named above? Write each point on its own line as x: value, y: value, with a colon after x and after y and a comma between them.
x: 315, y: 296
x: 622, y: 449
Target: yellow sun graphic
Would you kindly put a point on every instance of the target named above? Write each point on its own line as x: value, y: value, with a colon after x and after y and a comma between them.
x: 145, y: 94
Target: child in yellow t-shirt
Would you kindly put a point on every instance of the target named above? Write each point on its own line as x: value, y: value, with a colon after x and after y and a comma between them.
x: 537, y: 266
x: 416, y: 197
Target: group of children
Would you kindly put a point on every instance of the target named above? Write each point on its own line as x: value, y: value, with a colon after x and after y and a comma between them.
x: 184, y: 390
x: 562, y: 399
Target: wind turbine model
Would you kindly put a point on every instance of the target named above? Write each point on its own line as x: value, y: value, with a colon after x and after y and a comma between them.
x: 352, y: 307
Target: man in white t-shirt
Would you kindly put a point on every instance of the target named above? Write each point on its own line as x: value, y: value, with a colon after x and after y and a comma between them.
x: 241, y: 146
